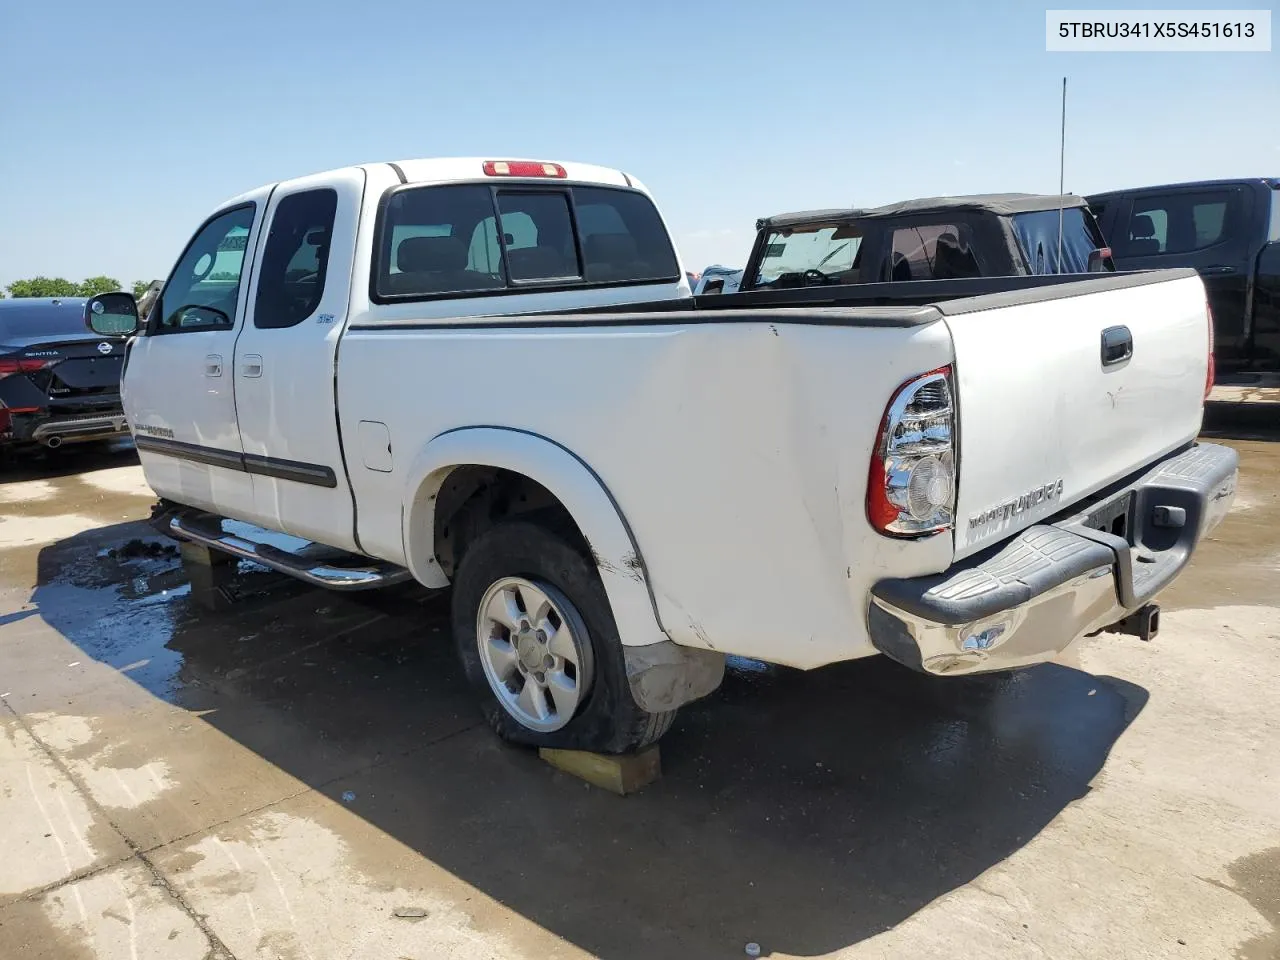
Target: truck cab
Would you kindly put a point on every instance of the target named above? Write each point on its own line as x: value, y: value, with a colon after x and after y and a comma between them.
x: 263, y: 343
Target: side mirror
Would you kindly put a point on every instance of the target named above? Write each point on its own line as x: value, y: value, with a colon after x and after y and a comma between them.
x: 112, y: 314
x: 713, y: 286
x: 1098, y: 260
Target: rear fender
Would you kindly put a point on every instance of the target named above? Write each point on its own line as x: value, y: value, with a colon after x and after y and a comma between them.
x: 573, y: 483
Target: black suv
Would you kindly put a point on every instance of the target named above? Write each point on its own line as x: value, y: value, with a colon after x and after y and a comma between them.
x: 59, y: 382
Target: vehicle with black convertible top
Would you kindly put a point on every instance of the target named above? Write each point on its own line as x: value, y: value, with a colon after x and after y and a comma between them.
x: 940, y: 238
x: 490, y: 375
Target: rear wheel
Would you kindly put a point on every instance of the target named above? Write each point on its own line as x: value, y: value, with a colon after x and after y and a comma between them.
x: 538, y: 643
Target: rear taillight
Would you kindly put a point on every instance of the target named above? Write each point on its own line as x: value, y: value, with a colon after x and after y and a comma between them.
x: 1211, y: 371
x: 11, y: 365
x: 911, y: 487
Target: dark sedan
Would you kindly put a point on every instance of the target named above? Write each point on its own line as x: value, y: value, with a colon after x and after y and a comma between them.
x: 59, y: 382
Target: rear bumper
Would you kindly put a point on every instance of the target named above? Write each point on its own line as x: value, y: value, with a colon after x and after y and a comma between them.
x: 1026, y: 601
x: 53, y: 430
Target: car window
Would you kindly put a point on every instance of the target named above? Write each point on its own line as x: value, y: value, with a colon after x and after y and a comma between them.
x: 623, y: 239
x: 1161, y: 224
x: 794, y: 256
x: 538, y: 234
x: 429, y: 244
x: 295, y: 259
x: 1273, y: 231
x: 939, y: 251
x: 470, y: 239
x: 1037, y: 235
x: 204, y: 288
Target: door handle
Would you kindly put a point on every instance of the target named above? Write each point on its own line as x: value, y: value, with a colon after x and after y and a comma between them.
x: 251, y: 365
x: 213, y: 365
x: 1217, y: 270
x: 1117, y: 345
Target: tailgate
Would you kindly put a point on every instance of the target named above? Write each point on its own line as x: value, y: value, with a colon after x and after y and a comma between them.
x: 1043, y: 421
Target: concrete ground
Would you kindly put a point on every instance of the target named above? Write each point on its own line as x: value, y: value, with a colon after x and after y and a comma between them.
x: 303, y: 776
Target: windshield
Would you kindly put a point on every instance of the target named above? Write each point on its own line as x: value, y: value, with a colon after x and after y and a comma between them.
x: 810, y: 254
x: 1038, y: 235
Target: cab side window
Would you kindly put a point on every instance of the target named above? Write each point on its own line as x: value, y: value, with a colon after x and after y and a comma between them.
x: 943, y: 251
x: 1177, y: 223
x: 295, y: 259
x: 204, y: 289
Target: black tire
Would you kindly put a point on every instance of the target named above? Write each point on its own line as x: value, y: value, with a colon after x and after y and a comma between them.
x: 608, y: 720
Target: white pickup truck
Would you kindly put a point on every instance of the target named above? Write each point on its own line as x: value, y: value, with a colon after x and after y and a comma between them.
x: 491, y: 375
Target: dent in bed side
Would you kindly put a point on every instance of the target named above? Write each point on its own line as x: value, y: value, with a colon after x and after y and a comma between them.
x: 569, y: 479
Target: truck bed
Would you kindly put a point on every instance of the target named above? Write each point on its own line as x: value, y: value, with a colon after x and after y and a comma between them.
x: 977, y: 293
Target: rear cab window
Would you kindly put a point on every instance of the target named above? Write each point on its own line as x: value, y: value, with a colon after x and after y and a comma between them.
x: 472, y: 239
x: 1037, y: 235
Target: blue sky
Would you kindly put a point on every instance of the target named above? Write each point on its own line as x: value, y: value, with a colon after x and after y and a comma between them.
x: 125, y: 123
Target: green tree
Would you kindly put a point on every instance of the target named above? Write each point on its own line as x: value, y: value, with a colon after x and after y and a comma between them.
x: 96, y: 285
x: 140, y: 287
x: 43, y: 287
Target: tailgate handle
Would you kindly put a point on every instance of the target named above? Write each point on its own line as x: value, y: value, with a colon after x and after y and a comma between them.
x: 1117, y: 345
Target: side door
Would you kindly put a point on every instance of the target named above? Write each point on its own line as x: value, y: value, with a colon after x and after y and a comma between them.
x: 286, y: 355
x: 1195, y: 226
x: 178, y: 390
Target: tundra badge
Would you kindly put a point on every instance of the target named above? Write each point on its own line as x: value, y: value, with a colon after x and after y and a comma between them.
x: 1011, y: 508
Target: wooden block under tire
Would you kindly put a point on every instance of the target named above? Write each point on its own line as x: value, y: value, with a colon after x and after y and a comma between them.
x: 623, y: 774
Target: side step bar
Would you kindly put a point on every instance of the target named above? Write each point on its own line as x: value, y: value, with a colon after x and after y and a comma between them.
x: 330, y: 576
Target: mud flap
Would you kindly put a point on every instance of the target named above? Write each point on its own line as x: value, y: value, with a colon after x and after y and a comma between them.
x: 664, y: 676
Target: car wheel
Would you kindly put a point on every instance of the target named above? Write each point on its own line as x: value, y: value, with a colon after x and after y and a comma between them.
x: 539, y: 645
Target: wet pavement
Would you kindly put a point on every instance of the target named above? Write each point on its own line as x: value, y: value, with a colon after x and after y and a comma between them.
x: 304, y: 776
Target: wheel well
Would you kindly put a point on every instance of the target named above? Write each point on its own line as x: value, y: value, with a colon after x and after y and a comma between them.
x: 473, y: 499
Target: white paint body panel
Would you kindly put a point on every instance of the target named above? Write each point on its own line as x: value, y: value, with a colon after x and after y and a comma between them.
x: 736, y: 452
x: 1037, y: 406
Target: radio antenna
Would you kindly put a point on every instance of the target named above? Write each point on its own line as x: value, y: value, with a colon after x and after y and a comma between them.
x: 1062, y: 161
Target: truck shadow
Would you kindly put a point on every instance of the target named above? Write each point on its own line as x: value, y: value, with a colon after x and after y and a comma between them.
x: 68, y: 460
x: 805, y: 812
